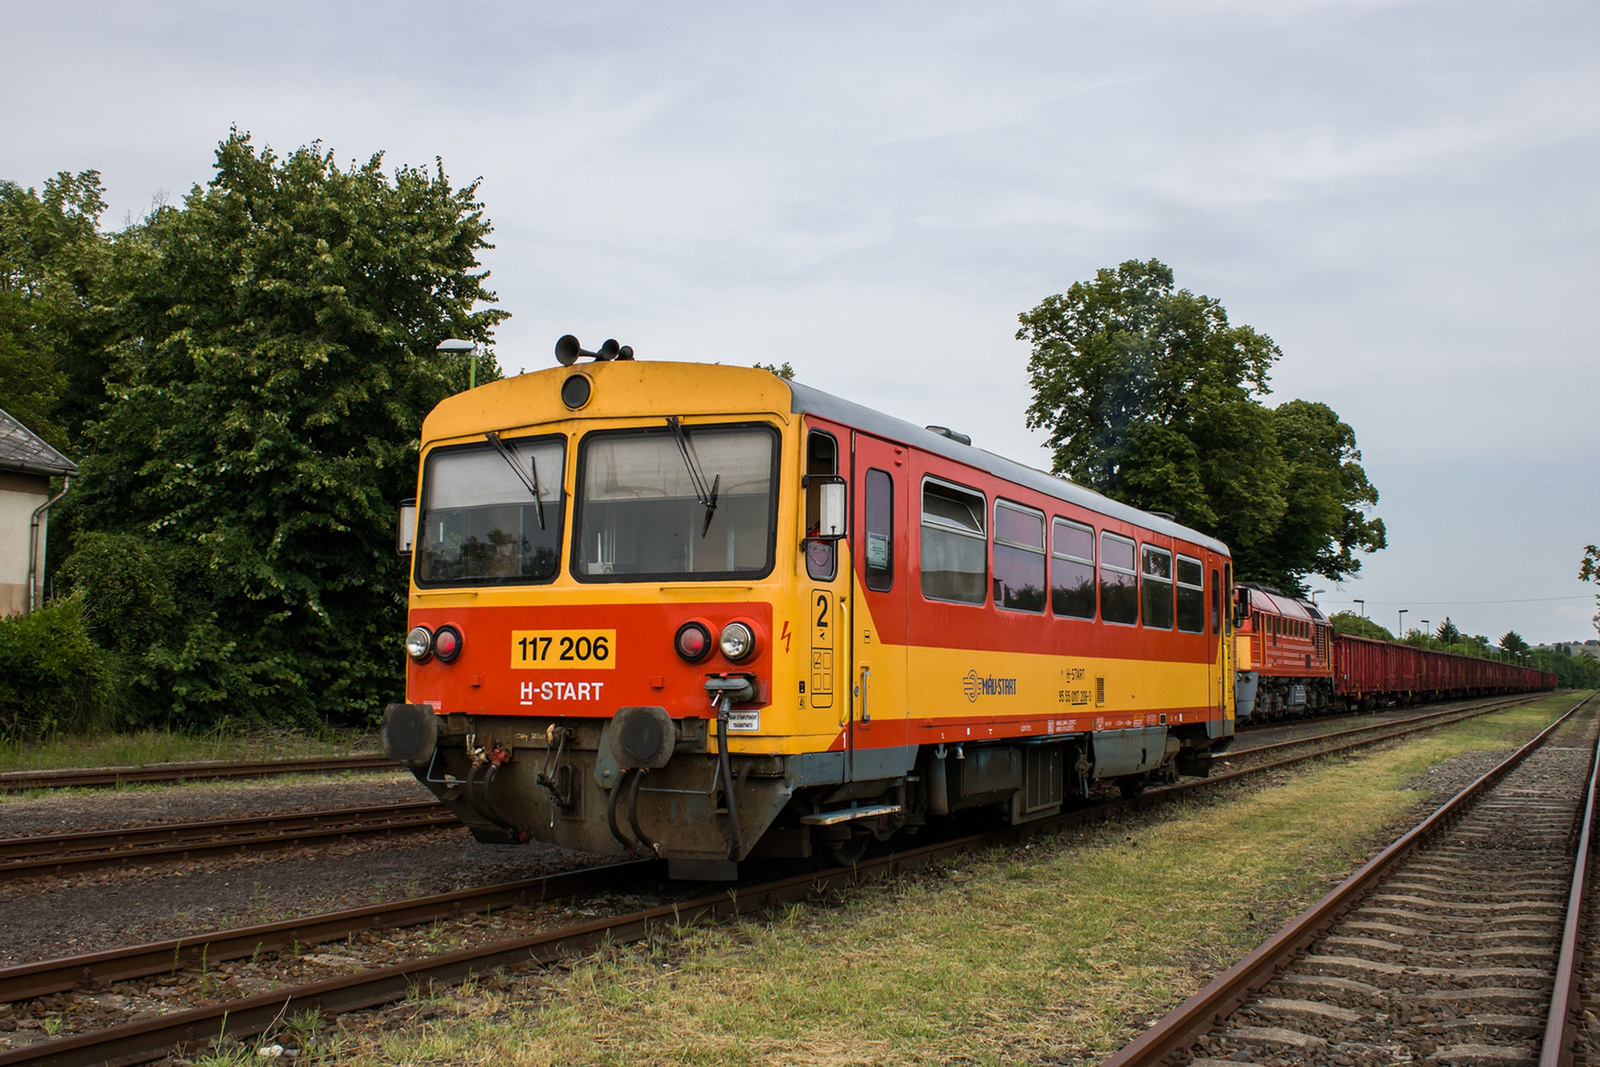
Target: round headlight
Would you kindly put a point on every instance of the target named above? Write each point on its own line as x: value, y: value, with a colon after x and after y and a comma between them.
x: 693, y: 642
x: 575, y: 391
x: 447, y: 644
x: 738, y: 642
x: 419, y: 643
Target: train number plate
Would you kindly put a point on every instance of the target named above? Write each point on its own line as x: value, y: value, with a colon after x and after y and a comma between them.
x: 563, y: 650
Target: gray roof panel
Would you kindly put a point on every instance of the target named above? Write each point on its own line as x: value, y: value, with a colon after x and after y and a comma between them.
x: 23, y: 450
x: 814, y: 401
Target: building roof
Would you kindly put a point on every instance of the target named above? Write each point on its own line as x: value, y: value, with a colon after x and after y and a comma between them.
x: 23, y: 450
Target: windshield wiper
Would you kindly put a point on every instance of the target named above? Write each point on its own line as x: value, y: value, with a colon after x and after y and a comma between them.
x: 510, y: 456
x: 706, y: 497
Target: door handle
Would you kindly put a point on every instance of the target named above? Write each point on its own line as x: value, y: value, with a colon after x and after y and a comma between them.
x: 866, y: 672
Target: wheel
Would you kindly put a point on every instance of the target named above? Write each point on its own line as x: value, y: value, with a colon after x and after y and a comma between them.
x: 846, y: 851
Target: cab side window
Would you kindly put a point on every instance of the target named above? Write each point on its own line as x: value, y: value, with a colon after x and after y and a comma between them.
x: 822, y: 460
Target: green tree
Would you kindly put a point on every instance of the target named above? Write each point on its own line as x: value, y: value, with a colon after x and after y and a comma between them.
x: 786, y: 372
x: 1589, y: 571
x: 1447, y: 632
x: 53, y: 277
x: 1151, y: 396
x: 1348, y: 622
x: 264, y: 405
x: 1512, y: 642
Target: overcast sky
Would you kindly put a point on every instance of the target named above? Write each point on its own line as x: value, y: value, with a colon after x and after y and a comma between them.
x: 1405, y: 196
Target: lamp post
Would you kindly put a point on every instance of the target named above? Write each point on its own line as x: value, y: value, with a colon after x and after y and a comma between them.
x: 1362, y: 606
x: 1425, y: 625
x: 456, y: 346
x: 1314, y: 593
x: 1399, y: 630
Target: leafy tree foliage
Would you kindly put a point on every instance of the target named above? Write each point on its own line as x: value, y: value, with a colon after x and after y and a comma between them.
x: 1447, y: 632
x: 1151, y: 396
x: 54, y: 266
x: 275, y: 358
x: 1512, y: 642
x: 1589, y: 570
x: 1348, y: 622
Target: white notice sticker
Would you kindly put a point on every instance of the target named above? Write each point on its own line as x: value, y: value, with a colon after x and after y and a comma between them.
x: 746, y: 722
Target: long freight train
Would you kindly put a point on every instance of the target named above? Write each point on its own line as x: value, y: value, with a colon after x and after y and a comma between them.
x: 1291, y: 663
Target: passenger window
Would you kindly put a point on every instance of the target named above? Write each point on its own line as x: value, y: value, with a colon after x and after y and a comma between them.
x: 953, y: 544
x: 1018, y: 557
x: 1119, y: 585
x: 1072, y: 572
x: 1191, y: 596
x: 879, y: 530
x: 822, y: 460
x: 1157, y: 588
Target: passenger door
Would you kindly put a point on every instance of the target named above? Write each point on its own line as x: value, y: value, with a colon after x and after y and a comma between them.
x: 876, y: 732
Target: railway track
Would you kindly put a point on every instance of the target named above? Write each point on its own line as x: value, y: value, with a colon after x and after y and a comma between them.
x: 110, y: 777
x: 75, y: 853
x: 193, y: 1028
x: 1457, y: 944
x: 135, y: 846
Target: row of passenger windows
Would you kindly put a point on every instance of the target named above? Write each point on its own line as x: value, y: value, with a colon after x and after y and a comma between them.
x: 1134, y: 580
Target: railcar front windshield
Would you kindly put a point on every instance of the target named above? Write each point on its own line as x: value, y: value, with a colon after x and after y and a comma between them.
x: 480, y: 523
x: 654, y: 506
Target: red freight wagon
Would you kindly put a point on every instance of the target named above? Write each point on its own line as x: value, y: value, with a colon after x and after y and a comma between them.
x: 1368, y: 672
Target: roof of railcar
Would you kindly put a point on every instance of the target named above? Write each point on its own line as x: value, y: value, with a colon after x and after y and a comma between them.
x: 686, y: 388
x: 815, y: 402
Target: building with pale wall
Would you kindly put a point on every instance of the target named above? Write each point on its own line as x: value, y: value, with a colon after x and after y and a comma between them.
x: 27, y: 464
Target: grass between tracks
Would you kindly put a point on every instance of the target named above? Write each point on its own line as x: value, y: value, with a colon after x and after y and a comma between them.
x: 145, y: 747
x: 1054, y: 951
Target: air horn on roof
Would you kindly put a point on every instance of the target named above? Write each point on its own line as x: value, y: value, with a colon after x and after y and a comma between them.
x: 569, y: 351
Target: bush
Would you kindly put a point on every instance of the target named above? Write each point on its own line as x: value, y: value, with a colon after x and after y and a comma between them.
x: 53, y: 677
x: 152, y: 605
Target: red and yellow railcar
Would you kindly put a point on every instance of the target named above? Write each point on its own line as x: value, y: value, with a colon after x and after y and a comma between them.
x: 704, y: 613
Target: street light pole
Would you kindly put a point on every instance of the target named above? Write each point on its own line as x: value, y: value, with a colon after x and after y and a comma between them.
x: 1401, y: 625
x: 1314, y: 593
x: 1362, y: 605
x: 456, y: 346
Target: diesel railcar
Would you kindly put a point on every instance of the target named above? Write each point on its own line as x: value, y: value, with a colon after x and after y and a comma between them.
x: 703, y: 613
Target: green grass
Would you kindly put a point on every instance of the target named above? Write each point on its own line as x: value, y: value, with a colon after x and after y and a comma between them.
x: 167, y: 746
x: 1054, y: 951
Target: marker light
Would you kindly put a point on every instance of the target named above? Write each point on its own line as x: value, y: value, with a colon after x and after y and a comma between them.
x: 447, y: 644
x: 738, y: 641
x: 419, y: 643
x: 693, y: 642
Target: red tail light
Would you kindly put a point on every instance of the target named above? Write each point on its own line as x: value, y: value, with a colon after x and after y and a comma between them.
x: 693, y: 641
x: 447, y: 644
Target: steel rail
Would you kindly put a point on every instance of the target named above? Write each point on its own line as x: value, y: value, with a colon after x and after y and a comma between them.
x: 109, y: 777
x: 1167, y: 1039
x: 144, y: 1040
x: 61, y: 854
x: 1561, y: 1026
x: 95, y: 969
